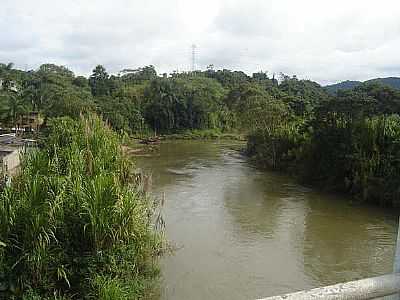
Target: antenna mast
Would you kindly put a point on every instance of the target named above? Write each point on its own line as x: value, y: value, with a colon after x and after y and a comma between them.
x: 193, y: 57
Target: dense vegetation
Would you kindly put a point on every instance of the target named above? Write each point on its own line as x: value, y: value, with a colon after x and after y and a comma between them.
x: 347, y: 140
x: 76, y: 222
x: 393, y: 82
x: 135, y: 101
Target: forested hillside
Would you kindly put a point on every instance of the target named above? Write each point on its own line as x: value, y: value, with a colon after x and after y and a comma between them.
x: 140, y: 101
x: 344, y: 85
x: 393, y: 82
x: 348, y: 141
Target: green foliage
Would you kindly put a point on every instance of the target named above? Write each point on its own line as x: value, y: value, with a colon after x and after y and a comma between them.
x: 292, y: 124
x: 139, y: 75
x: 184, y: 103
x: 124, y: 109
x: 12, y: 107
x: 349, y: 142
x: 100, y: 82
x: 75, y: 222
x: 227, y: 78
x: 81, y: 82
x: 302, y: 95
x: 60, y: 71
x: 392, y: 82
x: 342, y: 86
x: 204, y: 134
x: 360, y: 150
x: 277, y: 148
x: 53, y: 91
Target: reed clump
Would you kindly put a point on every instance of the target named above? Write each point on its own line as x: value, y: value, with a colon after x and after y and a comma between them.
x: 76, y: 222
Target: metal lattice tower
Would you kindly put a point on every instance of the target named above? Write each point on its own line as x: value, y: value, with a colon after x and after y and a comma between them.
x: 193, y: 57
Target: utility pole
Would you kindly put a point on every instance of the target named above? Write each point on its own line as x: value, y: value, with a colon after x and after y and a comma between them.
x: 193, y: 57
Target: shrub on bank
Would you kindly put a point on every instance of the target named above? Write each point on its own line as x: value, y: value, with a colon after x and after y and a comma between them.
x: 279, y: 148
x: 360, y: 157
x: 75, y: 223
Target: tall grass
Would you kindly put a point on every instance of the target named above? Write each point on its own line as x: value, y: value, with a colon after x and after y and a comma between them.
x: 360, y: 156
x: 75, y: 223
x: 276, y: 147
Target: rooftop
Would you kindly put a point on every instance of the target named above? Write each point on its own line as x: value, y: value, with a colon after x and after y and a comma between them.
x: 10, y: 142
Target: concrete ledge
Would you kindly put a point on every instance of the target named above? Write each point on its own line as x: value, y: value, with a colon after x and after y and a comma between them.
x: 369, y: 288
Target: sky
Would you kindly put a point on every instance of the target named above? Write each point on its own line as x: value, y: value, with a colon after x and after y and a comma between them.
x: 325, y: 41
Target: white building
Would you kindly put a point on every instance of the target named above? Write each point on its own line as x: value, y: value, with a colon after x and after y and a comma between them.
x: 11, y: 149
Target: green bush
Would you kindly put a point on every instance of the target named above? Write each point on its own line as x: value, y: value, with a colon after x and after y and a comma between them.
x: 359, y: 155
x: 278, y: 147
x: 75, y: 222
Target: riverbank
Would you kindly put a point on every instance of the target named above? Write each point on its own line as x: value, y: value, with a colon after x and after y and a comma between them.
x: 206, y: 134
x: 358, y: 158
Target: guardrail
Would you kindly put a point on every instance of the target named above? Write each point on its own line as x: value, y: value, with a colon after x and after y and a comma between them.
x: 369, y: 288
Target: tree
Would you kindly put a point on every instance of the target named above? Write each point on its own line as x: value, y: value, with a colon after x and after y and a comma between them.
x: 53, y: 69
x: 81, y: 81
x: 139, y: 75
x: 12, y: 107
x: 184, y: 103
x: 69, y: 102
x: 229, y: 79
x: 99, y: 82
x: 54, y: 91
x: 302, y: 95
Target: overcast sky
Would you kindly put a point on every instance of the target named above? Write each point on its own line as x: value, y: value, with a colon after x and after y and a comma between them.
x: 323, y: 40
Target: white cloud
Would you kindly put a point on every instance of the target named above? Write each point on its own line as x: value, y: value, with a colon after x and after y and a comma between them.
x: 326, y: 41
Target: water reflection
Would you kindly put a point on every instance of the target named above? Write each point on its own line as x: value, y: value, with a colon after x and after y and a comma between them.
x: 246, y: 234
x: 346, y: 243
x: 253, y: 211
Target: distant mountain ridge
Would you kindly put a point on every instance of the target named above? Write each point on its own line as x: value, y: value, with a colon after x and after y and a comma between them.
x: 393, y: 82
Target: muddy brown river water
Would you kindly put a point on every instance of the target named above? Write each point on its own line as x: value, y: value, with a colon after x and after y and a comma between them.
x: 243, y: 233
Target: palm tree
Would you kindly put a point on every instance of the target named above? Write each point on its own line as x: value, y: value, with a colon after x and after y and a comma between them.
x: 11, y: 108
x: 5, y: 69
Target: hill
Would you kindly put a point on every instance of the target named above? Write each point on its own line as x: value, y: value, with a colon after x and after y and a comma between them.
x: 344, y: 85
x: 393, y: 82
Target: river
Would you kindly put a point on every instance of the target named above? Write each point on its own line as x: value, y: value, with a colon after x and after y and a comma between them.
x: 243, y: 233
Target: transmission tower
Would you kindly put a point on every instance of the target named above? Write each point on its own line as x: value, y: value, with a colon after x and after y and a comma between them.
x: 193, y: 57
